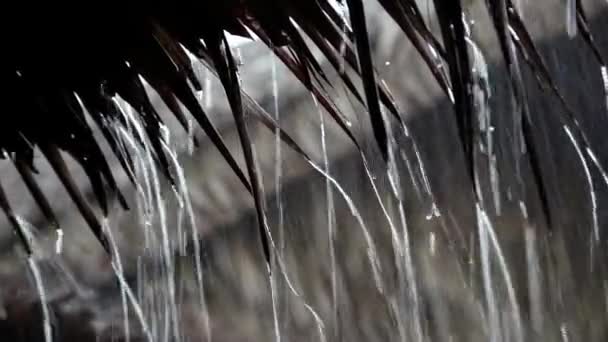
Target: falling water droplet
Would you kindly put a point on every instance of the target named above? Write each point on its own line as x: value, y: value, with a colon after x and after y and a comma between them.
x: 190, y: 142
x: 59, y: 241
x: 432, y: 244
x: 564, y: 331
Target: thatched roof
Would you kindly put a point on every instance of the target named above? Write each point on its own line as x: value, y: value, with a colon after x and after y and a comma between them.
x: 67, y: 61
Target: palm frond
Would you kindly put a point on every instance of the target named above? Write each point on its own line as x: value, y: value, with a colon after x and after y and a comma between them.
x: 62, y: 60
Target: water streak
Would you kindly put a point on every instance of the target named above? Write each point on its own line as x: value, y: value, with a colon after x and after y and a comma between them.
x: 487, y: 241
x: 534, y: 279
x: 117, y: 266
x: 482, y: 93
x: 154, y: 199
x: 343, y: 11
x: 207, y: 90
x: 46, y: 316
x: 371, y: 247
x: 28, y: 232
x: 589, y: 178
x: 166, y: 248
x: 182, y: 189
x: 407, y: 281
x: 372, y: 254
x: 278, y: 172
x: 330, y: 212
x: 59, y: 241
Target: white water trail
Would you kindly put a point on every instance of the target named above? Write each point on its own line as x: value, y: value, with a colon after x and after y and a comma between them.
x: 598, y: 165
x: 166, y: 247
x: 394, y: 233
x: 278, y: 165
x: 487, y: 236
x: 331, y: 224
x: 412, y: 173
x: 278, y: 173
x: 134, y: 126
x: 592, y: 194
x: 434, y: 211
x: 119, y: 271
x: 488, y: 281
x: 275, y: 256
x: 410, y: 272
x: 46, y: 317
x: 190, y: 142
x: 481, y: 91
x: 275, y: 302
x: 283, y: 270
x: 144, y: 155
x: 372, y: 255
x: 564, y: 332
x: 134, y: 303
x: 372, y: 251
x: 371, y: 247
x: 185, y: 196
x: 410, y: 299
x: 398, y: 302
x: 181, y: 207
x: 28, y: 232
x: 59, y: 241
x: 488, y: 239
x: 534, y: 279
x: 344, y: 14
x: 126, y: 137
x: 207, y: 90
x: 144, y: 209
